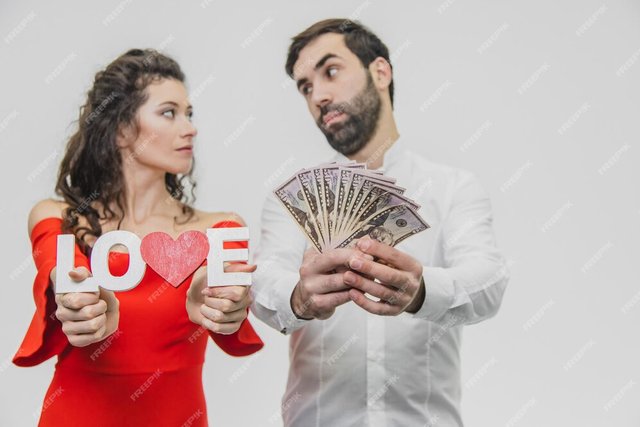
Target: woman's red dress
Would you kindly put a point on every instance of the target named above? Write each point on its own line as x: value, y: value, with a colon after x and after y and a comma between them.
x: 147, y: 373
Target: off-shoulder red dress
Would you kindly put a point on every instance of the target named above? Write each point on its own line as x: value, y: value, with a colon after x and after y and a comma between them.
x: 147, y: 373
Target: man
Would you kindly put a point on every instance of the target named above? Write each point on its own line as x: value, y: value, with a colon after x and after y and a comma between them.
x: 355, y: 361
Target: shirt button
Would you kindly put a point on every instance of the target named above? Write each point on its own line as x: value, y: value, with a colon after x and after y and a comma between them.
x: 374, y: 356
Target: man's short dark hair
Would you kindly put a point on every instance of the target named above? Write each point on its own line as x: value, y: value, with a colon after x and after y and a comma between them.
x: 359, y: 39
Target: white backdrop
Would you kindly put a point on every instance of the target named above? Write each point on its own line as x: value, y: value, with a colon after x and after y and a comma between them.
x: 538, y: 99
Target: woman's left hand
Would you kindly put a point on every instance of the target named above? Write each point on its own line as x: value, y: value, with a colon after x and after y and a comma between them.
x: 220, y: 309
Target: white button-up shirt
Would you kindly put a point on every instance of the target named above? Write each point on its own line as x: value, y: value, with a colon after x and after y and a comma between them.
x: 360, y: 369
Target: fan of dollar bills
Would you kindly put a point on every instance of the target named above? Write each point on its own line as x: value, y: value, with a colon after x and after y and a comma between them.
x: 336, y: 204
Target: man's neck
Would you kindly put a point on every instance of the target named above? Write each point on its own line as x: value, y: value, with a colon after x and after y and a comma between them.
x: 373, y: 152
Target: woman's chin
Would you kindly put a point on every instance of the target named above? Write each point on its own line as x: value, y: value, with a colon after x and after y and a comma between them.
x: 180, y: 168
x: 178, y: 171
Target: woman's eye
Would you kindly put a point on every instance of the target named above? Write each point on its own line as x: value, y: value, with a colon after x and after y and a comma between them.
x: 190, y: 115
x: 169, y: 113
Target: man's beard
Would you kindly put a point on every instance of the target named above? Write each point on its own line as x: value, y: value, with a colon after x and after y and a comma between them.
x: 363, y: 113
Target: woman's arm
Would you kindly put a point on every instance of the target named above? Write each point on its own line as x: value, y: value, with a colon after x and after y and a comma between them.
x: 86, y: 317
x: 223, y: 310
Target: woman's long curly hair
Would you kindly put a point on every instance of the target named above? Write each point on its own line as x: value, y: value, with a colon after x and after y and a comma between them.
x: 90, y: 179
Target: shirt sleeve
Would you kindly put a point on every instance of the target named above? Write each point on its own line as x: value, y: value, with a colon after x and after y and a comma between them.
x: 244, y: 341
x: 470, y: 285
x: 278, y: 259
x: 44, y: 338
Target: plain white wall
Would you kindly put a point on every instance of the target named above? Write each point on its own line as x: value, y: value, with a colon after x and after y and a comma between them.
x: 539, y: 99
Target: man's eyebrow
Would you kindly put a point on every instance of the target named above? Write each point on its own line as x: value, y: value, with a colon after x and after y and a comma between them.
x: 318, y: 65
x: 301, y: 81
x: 324, y: 59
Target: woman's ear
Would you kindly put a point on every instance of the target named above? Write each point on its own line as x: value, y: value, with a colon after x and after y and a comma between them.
x: 125, y: 136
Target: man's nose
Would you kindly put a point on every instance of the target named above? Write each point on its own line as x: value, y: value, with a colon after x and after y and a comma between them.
x: 321, y: 96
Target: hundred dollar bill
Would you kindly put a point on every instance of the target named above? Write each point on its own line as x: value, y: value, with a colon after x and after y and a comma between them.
x: 318, y: 182
x: 344, y: 179
x: 390, y: 226
x: 311, y: 196
x: 330, y: 184
x: 334, y: 204
x: 357, y: 180
x: 385, y: 200
x: 380, y: 203
x: 364, y: 197
x: 291, y: 196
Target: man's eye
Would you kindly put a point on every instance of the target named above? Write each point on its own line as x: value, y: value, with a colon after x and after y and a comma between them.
x: 169, y: 113
x: 305, y: 90
x: 332, y: 71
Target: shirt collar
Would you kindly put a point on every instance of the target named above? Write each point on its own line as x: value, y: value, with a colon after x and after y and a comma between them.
x: 390, y: 156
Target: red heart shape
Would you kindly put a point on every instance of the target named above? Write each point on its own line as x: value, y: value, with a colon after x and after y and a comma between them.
x: 174, y: 260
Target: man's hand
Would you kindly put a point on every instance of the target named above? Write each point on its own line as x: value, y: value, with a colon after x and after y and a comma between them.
x: 220, y: 309
x: 87, y: 317
x: 401, y: 287
x: 321, y: 287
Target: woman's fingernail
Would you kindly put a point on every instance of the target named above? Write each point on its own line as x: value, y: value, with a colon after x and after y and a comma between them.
x: 355, y: 263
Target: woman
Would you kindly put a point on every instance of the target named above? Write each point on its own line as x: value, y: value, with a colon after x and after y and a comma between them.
x: 134, y: 358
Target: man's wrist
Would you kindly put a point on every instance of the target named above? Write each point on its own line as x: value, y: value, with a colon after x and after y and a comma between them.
x: 297, y: 306
x: 418, y: 300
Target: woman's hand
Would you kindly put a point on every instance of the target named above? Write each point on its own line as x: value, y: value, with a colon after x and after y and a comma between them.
x: 220, y: 309
x: 87, y: 317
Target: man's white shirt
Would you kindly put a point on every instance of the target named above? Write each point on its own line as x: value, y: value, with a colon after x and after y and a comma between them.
x: 360, y: 369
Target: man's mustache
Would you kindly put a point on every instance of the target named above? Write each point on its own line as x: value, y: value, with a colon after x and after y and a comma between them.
x: 340, y: 108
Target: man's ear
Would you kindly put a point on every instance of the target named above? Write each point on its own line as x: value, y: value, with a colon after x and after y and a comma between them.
x: 381, y: 72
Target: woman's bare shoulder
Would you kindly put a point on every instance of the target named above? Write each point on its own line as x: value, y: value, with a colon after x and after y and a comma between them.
x: 208, y: 219
x: 48, y: 208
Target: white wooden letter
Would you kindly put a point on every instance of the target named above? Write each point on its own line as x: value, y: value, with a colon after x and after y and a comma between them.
x: 218, y: 256
x: 65, y: 262
x: 100, y: 261
x: 102, y: 277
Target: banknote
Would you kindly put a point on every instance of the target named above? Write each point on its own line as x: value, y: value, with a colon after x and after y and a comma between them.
x: 335, y: 204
